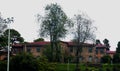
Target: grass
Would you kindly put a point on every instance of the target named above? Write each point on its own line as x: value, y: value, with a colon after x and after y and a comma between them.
x: 83, y: 67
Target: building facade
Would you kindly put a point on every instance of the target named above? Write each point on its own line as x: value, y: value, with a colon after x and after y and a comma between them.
x: 88, y: 53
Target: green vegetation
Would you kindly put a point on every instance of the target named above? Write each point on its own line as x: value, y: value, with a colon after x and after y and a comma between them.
x: 54, y: 24
x: 91, y: 67
x: 26, y: 62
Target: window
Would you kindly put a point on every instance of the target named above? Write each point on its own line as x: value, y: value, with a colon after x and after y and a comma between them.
x: 71, y: 49
x: 96, y: 60
x: 96, y: 51
x: 28, y: 49
x: 38, y: 49
x: 90, y: 49
x: 90, y: 59
x: 80, y: 58
x: 101, y: 51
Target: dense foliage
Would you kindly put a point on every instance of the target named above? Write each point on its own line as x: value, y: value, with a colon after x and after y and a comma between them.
x: 15, y: 36
x: 106, y: 59
x: 26, y: 62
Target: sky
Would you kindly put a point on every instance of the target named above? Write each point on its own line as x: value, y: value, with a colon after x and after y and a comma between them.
x: 105, y: 13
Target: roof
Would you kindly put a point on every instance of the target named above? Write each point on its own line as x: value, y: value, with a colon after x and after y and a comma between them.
x: 41, y: 43
x: 74, y: 44
x: 100, y: 46
x: 110, y: 52
x: 17, y: 45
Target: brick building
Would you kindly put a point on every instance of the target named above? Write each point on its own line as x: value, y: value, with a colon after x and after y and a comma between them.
x: 90, y: 52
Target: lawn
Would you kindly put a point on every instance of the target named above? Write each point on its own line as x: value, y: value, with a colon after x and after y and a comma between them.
x: 83, y: 67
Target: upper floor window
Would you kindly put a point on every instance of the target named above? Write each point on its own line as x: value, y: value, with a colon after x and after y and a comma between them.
x: 90, y: 59
x: 28, y: 49
x: 38, y: 49
x: 96, y: 51
x: 80, y: 58
x: 71, y: 49
x: 101, y: 51
x: 90, y: 49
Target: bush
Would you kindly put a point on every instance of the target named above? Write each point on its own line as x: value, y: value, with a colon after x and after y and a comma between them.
x: 26, y: 62
x: 3, y: 66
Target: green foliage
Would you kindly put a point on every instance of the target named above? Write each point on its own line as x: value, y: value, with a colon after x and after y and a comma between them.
x: 47, y: 53
x: 24, y: 62
x: 57, y: 53
x: 54, y: 24
x: 39, y: 39
x: 13, y: 34
x: 3, y: 65
x: 106, y: 59
x: 45, y: 66
x: 106, y: 43
x: 116, y: 58
x: 118, y: 47
x: 3, y: 40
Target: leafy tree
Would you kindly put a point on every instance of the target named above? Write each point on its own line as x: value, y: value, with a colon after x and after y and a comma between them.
x: 106, y: 59
x: 106, y: 43
x: 116, y: 57
x: 15, y: 36
x: 39, y: 39
x: 84, y: 30
x: 98, y: 42
x: 118, y: 47
x: 54, y: 24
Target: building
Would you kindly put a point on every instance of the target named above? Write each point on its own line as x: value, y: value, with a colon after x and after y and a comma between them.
x: 89, y: 52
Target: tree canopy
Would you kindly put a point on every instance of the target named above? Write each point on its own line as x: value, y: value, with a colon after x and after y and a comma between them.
x: 15, y: 36
x: 106, y: 43
x: 39, y: 39
x: 84, y: 29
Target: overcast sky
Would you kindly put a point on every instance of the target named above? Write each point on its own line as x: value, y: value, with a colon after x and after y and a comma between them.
x: 105, y: 13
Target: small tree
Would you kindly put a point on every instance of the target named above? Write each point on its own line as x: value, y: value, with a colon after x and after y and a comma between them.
x: 98, y: 42
x: 106, y: 43
x: 39, y: 39
x: 116, y: 57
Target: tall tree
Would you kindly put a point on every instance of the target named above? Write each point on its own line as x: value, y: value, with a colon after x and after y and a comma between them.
x: 84, y: 30
x: 106, y: 43
x: 54, y: 24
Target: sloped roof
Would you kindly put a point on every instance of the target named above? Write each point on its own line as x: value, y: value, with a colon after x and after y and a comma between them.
x: 41, y: 43
x: 74, y: 44
x: 110, y: 52
x: 100, y: 46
